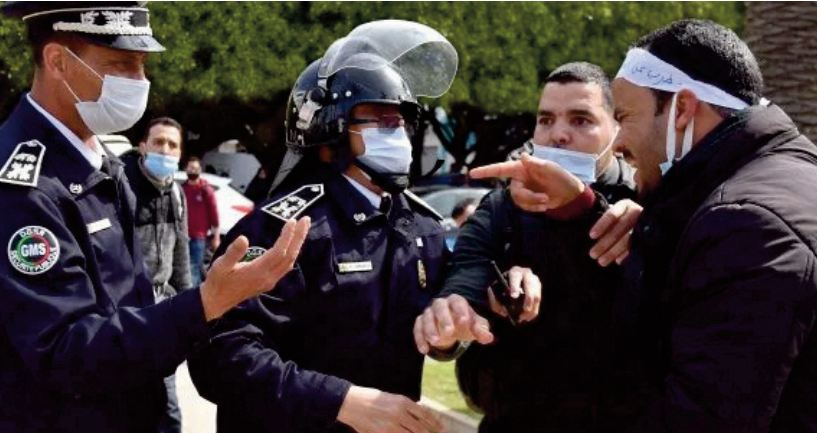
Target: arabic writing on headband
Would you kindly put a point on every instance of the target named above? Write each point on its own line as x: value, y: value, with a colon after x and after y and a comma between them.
x: 655, y: 77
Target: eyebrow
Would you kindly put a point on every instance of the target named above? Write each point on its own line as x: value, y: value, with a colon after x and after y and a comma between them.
x: 572, y: 112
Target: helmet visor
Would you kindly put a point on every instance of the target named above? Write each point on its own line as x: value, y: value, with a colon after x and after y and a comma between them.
x: 421, y: 55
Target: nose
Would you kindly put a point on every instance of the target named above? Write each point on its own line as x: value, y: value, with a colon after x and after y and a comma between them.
x: 560, y: 133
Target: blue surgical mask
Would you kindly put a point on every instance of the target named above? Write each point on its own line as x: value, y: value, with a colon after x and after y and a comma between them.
x: 580, y: 164
x: 161, y: 166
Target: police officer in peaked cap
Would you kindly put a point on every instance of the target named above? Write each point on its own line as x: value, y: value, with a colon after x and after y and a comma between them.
x: 83, y: 348
x: 331, y: 348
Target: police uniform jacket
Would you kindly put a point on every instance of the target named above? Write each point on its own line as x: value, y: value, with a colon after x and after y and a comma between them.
x: 563, y: 371
x: 82, y: 347
x: 284, y: 361
x: 725, y: 260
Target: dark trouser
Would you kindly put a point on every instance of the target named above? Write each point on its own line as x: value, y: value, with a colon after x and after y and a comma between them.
x: 196, y: 247
x: 171, y: 420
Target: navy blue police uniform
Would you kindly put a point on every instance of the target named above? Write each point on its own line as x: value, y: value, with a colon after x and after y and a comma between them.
x: 82, y: 347
x: 344, y: 315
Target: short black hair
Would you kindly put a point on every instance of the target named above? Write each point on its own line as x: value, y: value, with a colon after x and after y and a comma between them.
x: 166, y: 121
x: 459, y: 209
x: 583, y: 72
x: 38, y: 36
x: 707, y: 52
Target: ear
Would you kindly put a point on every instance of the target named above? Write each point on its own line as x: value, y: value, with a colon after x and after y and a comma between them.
x: 688, y: 106
x: 143, y: 147
x: 55, y: 61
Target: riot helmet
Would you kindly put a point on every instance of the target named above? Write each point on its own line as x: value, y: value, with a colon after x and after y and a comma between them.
x: 389, y: 62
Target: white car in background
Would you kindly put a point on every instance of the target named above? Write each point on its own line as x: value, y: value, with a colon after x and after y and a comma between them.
x: 231, y: 204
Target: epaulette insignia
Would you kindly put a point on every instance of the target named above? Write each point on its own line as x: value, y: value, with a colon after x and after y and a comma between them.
x: 413, y: 197
x: 23, y: 166
x: 294, y: 203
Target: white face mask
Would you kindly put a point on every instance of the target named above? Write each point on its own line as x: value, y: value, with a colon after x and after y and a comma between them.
x: 580, y: 164
x: 387, y: 150
x: 121, y: 103
x: 686, y: 145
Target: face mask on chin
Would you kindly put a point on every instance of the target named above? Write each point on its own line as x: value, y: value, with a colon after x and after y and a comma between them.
x: 387, y: 158
x: 121, y: 103
x: 580, y: 164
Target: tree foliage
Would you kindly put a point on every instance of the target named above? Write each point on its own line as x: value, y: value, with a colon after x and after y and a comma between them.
x: 248, y: 51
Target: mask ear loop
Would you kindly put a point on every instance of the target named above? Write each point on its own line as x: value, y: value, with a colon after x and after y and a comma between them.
x: 84, y: 64
x: 671, y: 130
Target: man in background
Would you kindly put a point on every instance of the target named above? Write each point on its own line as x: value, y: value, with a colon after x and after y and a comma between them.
x: 161, y: 224
x: 202, y: 215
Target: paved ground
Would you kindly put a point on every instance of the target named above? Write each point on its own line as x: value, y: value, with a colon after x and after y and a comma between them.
x: 199, y: 415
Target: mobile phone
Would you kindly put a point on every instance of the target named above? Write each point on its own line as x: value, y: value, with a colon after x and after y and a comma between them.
x: 502, y: 292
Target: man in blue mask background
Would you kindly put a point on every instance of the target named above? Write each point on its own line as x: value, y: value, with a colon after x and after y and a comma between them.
x: 556, y: 369
x: 161, y: 224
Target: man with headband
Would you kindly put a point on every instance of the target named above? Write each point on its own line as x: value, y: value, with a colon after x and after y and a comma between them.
x: 723, y: 255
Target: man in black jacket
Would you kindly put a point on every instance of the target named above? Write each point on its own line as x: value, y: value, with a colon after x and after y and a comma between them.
x: 562, y: 370
x: 723, y: 255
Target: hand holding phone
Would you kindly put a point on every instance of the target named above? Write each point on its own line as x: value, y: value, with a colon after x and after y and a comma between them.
x: 502, y: 292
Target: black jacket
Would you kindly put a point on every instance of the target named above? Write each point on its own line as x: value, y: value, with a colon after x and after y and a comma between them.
x: 724, y: 256
x: 564, y: 371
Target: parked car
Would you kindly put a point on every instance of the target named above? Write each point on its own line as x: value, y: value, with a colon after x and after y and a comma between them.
x: 232, y: 205
x: 444, y: 201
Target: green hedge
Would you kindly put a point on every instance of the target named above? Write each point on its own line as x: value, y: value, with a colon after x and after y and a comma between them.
x: 252, y: 51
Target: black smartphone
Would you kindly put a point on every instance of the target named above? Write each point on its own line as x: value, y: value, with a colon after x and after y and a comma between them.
x: 502, y: 292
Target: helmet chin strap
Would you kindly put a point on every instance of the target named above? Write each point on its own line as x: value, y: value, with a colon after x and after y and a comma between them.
x: 393, y: 183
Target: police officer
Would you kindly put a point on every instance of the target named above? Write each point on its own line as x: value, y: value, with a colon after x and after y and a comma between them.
x: 82, y: 345
x: 331, y: 348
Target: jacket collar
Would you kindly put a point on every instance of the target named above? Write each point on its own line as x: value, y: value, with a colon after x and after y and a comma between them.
x: 354, y: 207
x: 733, y: 143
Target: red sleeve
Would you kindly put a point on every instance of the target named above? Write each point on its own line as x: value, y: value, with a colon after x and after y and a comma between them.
x: 212, y: 209
x: 581, y: 204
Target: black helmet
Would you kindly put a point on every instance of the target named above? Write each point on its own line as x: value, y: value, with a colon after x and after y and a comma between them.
x: 382, y: 62
x: 318, y: 109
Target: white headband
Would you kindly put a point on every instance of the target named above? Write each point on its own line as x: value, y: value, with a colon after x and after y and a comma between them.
x: 643, y: 69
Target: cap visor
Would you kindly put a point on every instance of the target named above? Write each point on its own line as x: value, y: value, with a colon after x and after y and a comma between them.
x: 142, y: 43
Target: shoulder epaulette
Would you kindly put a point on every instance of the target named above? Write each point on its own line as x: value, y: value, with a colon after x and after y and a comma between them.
x: 23, y: 166
x: 293, y: 204
x: 413, y: 197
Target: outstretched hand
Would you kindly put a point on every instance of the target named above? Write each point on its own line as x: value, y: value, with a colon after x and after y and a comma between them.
x: 537, y: 185
x: 231, y: 281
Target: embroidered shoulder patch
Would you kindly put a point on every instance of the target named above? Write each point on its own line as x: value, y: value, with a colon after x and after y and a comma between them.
x: 413, y: 198
x: 33, y: 250
x: 23, y: 166
x: 253, y: 253
x: 293, y: 204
